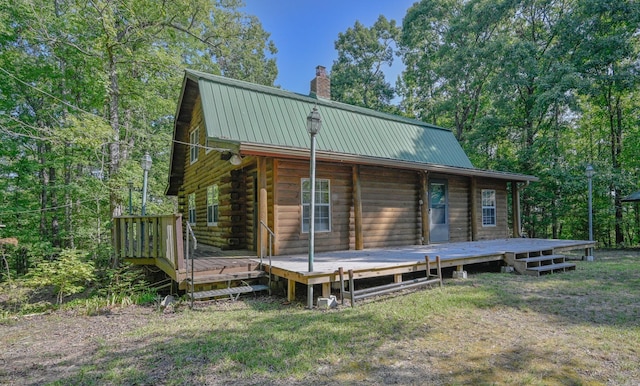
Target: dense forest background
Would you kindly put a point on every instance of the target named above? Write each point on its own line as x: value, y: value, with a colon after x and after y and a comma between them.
x: 541, y: 87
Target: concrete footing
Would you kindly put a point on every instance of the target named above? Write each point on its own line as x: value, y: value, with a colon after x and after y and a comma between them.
x: 588, y: 258
x: 459, y: 274
x: 326, y: 303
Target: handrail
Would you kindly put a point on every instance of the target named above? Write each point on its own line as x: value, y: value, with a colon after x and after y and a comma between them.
x: 190, y: 255
x: 270, y: 243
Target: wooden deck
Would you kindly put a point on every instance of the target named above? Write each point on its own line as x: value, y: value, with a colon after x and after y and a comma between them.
x: 396, y: 261
x: 158, y: 240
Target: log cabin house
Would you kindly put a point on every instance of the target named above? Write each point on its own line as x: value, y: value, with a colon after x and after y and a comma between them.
x: 240, y: 157
x: 240, y: 166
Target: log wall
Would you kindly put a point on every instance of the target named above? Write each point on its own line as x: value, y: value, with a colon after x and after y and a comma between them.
x: 290, y: 239
x: 501, y: 230
x: 390, y: 211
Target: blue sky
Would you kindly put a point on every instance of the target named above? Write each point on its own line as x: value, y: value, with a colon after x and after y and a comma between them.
x: 304, y: 32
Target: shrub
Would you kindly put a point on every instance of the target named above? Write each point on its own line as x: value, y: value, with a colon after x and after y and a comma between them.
x: 68, y: 274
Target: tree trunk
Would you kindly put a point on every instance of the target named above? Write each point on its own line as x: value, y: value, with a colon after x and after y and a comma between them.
x: 68, y: 199
x: 55, y: 225
x: 114, y: 148
x: 44, y: 182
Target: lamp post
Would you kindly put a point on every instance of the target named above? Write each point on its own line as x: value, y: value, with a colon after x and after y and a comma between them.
x: 589, y: 172
x: 130, y: 184
x: 314, y: 123
x: 146, y: 166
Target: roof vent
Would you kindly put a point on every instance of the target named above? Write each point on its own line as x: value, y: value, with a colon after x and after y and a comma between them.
x: 321, y: 84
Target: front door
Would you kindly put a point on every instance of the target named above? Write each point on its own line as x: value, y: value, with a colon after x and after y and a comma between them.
x: 438, y: 212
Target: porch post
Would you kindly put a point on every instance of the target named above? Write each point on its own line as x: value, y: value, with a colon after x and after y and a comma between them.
x: 474, y: 209
x: 262, y: 206
x: 424, y: 208
x: 357, y: 207
x: 515, y: 209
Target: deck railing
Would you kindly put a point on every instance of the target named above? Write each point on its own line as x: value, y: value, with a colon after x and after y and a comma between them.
x: 150, y: 237
x: 270, y: 243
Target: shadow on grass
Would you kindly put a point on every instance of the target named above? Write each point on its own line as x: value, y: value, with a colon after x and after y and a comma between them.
x: 207, y: 347
x: 603, y: 292
x: 379, y: 342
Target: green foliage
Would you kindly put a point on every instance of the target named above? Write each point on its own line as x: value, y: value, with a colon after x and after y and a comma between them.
x: 123, y: 281
x: 357, y: 75
x: 68, y: 274
x: 87, y: 88
x: 536, y: 87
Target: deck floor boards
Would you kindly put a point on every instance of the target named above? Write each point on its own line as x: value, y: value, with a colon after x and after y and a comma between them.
x: 451, y: 254
x: 381, y: 261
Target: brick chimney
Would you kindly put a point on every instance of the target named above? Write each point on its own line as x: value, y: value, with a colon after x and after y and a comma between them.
x: 321, y: 84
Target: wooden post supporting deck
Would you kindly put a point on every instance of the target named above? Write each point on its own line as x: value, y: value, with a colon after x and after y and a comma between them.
x: 326, y: 290
x: 291, y: 290
x: 357, y: 207
x: 424, y: 208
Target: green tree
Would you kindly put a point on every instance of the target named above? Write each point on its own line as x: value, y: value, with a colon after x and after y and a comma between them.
x: 68, y: 274
x: 605, y: 48
x: 357, y: 76
x: 450, y: 49
x: 88, y: 87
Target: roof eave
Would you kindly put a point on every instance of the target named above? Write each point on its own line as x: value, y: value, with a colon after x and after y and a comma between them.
x: 300, y: 153
x: 175, y: 176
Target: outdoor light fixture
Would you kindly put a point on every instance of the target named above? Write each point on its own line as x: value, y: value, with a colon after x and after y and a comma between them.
x: 146, y: 166
x: 590, y: 172
x: 314, y: 124
x: 235, y: 160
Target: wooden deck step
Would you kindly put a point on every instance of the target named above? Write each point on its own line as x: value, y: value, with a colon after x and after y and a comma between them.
x: 226, y: 277
x: 541, y: 258
x: 229, y: 291
x: 550, y: 267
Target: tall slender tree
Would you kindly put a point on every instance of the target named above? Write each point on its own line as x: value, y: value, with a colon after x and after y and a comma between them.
x: 357, y: 76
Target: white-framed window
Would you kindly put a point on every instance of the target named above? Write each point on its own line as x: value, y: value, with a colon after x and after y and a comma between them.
x: 212, y: 205
x: 488, y: 208
x: 323, y: 205
x: 192, y: 208
x: 194, y: 140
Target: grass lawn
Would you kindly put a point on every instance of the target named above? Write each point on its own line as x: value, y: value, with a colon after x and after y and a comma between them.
x: 575, y: 328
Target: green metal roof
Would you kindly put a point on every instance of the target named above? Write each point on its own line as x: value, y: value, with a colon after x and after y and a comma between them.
x: 242, y: 112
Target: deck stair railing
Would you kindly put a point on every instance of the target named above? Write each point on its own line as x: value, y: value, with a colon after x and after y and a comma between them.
x: 189, y: 258
x: 232, y: 278
x: 270, y: 249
